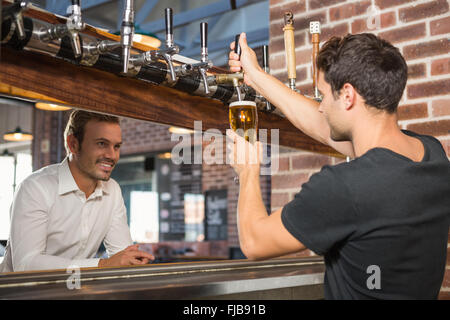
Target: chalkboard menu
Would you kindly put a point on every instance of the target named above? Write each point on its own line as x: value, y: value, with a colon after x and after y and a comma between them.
x: 216, y: 215
x: 174, y: 182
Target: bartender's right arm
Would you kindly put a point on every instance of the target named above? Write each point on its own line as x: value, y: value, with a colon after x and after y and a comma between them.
x: 302, y: 112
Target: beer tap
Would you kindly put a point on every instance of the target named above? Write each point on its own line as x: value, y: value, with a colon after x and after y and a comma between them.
x: 204, y: 65
x: 314, y: 29
x: 269, y: 107
x: 14, y: 12
x: 126, y: 33
x: 290, y: 48
x: 163, y: 54
x: 235, y: 78
x: 71, y: 29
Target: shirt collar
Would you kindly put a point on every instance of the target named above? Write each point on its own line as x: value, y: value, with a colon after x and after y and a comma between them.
x: 67, y: 182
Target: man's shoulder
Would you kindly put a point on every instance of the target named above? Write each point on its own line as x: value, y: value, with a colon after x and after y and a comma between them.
x: 44, y: 177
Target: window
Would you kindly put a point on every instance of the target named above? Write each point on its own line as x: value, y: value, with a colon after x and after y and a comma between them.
x: 12, y: 173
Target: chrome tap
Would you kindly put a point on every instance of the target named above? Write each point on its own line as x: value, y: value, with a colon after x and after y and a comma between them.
x: 205, y: 64
x: 126, y: 33
x: 14, y: 12
x: 71, y: 29
x: 163, y: 54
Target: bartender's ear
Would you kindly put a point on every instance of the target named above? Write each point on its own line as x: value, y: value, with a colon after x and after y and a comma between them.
x: 348, y: 95
x: 73, y: 144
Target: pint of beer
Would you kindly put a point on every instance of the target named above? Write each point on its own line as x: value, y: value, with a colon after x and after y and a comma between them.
x: 244, y: 119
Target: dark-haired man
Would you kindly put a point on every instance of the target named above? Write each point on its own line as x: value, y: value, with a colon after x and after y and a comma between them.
x: 381, y: 221
x: 62, y: 213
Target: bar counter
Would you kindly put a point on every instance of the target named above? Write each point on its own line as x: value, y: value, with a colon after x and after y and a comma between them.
x: 287, y: 279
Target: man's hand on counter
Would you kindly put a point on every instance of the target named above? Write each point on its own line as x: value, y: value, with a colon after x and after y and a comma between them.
x: 130, y: 256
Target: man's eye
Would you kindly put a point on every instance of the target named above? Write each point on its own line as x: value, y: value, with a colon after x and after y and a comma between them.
x: 101, y: 144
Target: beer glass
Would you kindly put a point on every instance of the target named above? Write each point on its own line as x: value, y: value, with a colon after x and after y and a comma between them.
x: 243, y: 116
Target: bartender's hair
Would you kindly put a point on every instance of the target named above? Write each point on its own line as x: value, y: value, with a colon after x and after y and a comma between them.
x: 374, y: 67
x: 77, y: 122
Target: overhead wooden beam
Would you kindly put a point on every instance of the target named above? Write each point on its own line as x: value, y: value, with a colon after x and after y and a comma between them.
x: 96, y: 90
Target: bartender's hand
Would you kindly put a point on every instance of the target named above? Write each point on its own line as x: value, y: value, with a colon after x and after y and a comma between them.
x: 130, y: 256
x: 242, y: 155
x: 248, y: 61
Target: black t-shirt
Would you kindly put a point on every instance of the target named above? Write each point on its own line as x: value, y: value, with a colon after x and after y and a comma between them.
x: 381, y: 222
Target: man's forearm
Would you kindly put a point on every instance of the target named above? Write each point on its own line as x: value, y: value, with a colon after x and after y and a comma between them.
x: 250, y: 208
x: 301, y: 111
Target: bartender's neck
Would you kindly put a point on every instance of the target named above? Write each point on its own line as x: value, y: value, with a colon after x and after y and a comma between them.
x: 84, y: 182
x: 377, y: 130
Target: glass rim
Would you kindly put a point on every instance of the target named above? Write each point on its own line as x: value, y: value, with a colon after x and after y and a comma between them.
x: 243, y: 103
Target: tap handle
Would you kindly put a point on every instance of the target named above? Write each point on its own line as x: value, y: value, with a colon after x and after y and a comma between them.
x: 266, y: 58
x: 237, y: 46
x: 169, y: 27
x: 204, y: 40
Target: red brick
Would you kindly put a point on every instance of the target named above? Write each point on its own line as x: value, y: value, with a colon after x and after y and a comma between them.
x: 289, y: 181
x: 390, y: 3
x: 440, y: 66
x: 428, y: 89
x: 310, y: 161
x: 275, y: 2
x: 279, y: 199
x: 277, y: 62
x: 440, y: 26
x: 441, y: 107
x: 426, y: 49
x: 433, y: 128
x: 416, y: 70
x: 316, y: 4
x: 405, y: 33
x: 388, y: 19
x: 448, y: 256
x: 422, y: 11
x: 412, y: 111
x: 283, y: 76
x: 444, y: 295
x: 283, y: 164
x: 348, y: 10
x: 303, y: 56
x: 277, y: 45
x: 338, y: 31
x: 446, y: 282
x: 295, y: 7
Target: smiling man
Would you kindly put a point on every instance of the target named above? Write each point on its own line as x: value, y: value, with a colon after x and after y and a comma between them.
x: 62, y: 213
x: 381, y: 221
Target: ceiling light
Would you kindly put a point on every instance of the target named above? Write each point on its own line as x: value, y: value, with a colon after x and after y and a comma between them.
x: 180, y: 130
x: 18, y: 135
x: 51, y: 106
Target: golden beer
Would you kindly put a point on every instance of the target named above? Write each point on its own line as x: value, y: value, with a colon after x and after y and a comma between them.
x: 244, y: 119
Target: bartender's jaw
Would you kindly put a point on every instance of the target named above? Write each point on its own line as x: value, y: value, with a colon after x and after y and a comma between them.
x: 99, y: 151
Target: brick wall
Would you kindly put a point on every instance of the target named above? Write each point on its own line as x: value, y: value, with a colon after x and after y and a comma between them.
x: 419, y: 28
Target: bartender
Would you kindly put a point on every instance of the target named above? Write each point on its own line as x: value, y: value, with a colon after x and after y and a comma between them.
x: 381, y: 221
x: 62, y: 213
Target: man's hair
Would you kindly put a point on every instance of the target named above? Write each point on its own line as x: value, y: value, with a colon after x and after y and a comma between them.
x: 374, y: 67
x: 77, y: 123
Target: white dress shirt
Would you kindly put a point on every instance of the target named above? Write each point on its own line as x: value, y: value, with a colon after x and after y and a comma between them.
x: 54, y: 226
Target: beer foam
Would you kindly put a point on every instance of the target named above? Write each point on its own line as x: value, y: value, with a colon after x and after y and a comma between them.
x: 243, y: 103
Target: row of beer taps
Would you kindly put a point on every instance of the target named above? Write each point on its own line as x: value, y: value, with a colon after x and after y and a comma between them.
x: 131, y: 63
